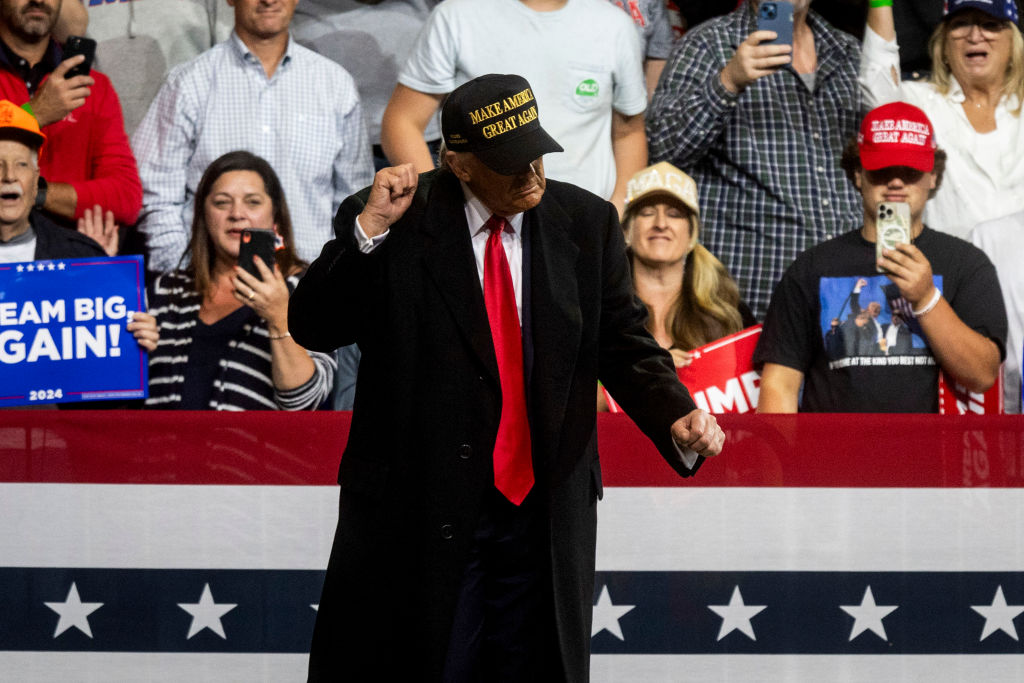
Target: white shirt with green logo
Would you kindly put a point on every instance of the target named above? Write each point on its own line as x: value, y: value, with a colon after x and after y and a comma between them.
x: 582, y: 61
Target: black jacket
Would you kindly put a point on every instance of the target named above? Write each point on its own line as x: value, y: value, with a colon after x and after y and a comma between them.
x: 418, y: 462
x: 55, y: 242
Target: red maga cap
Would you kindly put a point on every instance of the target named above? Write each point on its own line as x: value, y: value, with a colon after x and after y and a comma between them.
x: 896, y: 134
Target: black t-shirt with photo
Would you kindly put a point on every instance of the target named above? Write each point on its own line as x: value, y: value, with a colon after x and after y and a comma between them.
x: 845, y: 326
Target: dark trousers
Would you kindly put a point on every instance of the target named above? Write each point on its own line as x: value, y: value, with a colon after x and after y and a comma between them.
x: 504, y: 626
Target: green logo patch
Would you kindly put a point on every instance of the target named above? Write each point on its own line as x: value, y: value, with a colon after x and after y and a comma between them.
x: 587, y: 88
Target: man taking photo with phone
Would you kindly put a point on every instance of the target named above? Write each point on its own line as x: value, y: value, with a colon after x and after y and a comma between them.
x: 87, y: 162
x: 942, y: 289
x: 760, y: 125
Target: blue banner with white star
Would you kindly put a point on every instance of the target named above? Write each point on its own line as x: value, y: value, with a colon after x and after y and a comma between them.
x: 62, y: 331
x: 132, y: 549
x: 654, y: 613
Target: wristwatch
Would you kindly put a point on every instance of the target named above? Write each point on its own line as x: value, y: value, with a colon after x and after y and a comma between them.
x: 41, y: 193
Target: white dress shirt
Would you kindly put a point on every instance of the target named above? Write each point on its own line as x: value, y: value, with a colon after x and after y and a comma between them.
x: 222, y: 101
x: 1003, y: 241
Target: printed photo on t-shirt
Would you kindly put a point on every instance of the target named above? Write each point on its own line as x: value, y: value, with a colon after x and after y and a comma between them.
x: 865, y: 321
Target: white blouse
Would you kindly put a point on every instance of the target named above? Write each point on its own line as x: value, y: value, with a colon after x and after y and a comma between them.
x: 984, y: 176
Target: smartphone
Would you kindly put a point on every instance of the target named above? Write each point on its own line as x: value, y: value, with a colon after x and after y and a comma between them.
x: 891, y: 228
x: 256, y: 242
x: 80, y: 45
x: 778, y: 17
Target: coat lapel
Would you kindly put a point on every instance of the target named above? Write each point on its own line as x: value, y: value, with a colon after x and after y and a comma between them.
x: 449, y: 260
x: 555, y: 313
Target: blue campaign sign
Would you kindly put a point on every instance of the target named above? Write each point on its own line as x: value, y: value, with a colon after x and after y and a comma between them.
x: 62, y: 331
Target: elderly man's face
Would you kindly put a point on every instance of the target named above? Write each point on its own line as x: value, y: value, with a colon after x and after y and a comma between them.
x: 263, y: 18
x: 504, y: 195
x: 19, y: 173
x: 30, y: 20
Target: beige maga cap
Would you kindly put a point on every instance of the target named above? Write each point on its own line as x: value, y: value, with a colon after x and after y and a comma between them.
x: 662, y: 178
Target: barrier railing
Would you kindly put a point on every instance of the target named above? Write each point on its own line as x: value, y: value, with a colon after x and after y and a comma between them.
x: 191, y: 546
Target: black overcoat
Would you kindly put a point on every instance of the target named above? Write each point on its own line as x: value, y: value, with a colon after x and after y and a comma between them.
x: 418, y: 459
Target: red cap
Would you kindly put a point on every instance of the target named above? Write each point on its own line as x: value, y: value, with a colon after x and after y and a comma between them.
x: 896, y: 134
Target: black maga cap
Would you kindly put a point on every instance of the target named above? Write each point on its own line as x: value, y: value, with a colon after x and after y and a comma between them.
x: 495, y: 118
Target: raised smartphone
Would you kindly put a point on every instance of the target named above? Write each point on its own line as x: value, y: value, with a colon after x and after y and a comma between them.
x: 256, y: 242
x: 891, y: 228
x: 778, y: 17
x: 80, y: 45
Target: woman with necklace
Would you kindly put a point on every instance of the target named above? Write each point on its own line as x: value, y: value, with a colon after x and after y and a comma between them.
x: 974, y: 99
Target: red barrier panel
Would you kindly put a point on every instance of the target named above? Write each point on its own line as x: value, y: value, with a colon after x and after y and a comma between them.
x: 304, y: 449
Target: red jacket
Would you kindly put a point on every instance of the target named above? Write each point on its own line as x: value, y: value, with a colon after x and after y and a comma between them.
x: 88, y: 149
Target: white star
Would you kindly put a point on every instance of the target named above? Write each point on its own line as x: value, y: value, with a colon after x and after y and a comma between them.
x: 607, y: 615
x: 867, y: 616
x: 30, y: 268
x: 50, y: 266
x: 999, y: 616
x: 73, y: 612
x: 206, y: 613
x: 21, y: 269
x: 60, y: 266
x: 736, y: 615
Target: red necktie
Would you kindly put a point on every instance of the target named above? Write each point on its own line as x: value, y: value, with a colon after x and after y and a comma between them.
x: 513, y: 463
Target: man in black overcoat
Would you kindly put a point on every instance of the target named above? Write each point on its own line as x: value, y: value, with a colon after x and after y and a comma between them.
x: 440, y: 571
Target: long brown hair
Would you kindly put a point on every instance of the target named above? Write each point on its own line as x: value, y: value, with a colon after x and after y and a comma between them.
x: 200, y: 247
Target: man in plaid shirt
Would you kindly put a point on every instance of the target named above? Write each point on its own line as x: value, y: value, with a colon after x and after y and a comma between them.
x: 761, y: 129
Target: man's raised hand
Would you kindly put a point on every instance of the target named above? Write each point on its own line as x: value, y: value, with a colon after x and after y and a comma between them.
x: 58, y: 96
x: 754, y: 60
x: 390, y: 196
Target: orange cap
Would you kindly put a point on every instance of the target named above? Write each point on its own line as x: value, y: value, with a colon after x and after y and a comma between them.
x: 18, y: 124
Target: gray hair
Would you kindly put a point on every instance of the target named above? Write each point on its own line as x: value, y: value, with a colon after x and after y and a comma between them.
x: 442, y: 156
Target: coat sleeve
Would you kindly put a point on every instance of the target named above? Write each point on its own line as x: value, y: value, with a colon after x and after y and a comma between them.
x: 333, y: 301
x: 638, y: 373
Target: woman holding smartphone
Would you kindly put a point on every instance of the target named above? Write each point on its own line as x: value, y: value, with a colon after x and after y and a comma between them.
x: 224, y: 340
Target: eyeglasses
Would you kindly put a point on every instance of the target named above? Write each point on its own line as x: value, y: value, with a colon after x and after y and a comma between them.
x: 961, y: 27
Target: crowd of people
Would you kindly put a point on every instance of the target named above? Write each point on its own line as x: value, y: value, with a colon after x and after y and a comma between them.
x: 747, y: 173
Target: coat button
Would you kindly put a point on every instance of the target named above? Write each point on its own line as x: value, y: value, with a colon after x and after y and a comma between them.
x: 465, y: 450
x: 447, y: 532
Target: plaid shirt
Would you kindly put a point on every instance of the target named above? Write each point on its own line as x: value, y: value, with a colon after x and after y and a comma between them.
x: 766, y: 161
x: 305, y: 120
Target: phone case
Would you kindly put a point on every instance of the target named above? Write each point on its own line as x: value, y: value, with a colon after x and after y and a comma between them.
x: 79, y: 45
x: 891, y: 228
x: 256, y: 242
x: 778, y: 17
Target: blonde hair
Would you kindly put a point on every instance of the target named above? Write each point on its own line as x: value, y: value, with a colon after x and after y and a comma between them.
x: 707, y: 307
x: 942, y: 76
